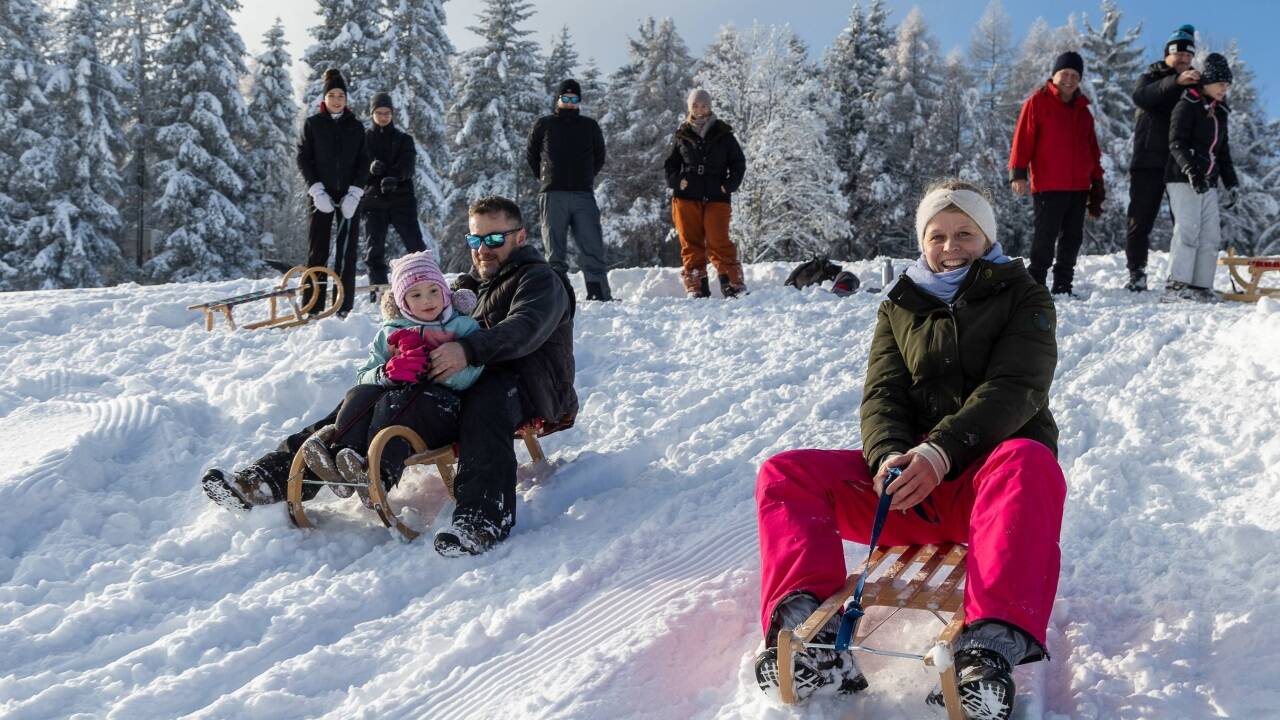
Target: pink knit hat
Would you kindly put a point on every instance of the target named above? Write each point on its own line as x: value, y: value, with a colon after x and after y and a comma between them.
x: 412, y: 269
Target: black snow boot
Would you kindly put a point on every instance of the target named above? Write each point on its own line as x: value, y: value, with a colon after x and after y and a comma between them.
x: 599, y: 291
x: 1137, y: 281
x: 814, y: 667
x: 985, y: 683
x: 247, y: 488
x: 470, y: 533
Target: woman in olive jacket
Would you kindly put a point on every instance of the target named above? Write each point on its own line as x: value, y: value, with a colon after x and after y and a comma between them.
x: 957, y: 398
x: 333, y: 161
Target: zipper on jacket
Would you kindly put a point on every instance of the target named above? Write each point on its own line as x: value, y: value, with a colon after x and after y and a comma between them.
x: 1213, y: 112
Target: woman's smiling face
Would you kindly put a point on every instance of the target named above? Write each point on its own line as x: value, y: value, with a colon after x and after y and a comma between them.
x: 952, y: 240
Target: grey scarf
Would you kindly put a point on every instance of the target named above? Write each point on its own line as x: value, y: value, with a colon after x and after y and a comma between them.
x: 702, y: 126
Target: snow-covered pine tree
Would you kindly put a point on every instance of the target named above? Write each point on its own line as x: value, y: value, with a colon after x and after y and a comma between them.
x: 561, y: 61
x: 895, y: 162
x: 25, y: 38
x: 1036, y: 54
x: 646, y: 105
x: 200, y: 168
x: 72, y: 242
x: 1252, y: 227
x: 418, y: 60
x: 1112, y: 62
x: 131, y: 43
x: 275, y: 198
x: 595, y: 88
x: 772, y: 97
x: 953, y: 126
x: 350, y: 38
x: 497, y: 98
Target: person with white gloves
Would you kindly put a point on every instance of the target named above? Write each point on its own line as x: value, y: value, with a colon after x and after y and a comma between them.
x: 334, y: 162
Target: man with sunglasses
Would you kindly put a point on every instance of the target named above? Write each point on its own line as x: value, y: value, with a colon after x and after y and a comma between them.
x: 566, y: 152
x: 525, y: 312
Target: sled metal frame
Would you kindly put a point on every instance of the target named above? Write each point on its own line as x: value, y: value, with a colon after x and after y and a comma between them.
x: 1252, y: 287
x: 444, y: 458
x: 295, y: 314
x: 935, y: 587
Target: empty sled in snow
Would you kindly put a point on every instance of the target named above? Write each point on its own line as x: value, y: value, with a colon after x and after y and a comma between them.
x: 285, y: 294
x: 444, y: 458
x: 935, y: 585
x: 1250, y: 289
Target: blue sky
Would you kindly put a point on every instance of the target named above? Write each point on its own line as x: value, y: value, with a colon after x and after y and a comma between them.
x: 600, y: 29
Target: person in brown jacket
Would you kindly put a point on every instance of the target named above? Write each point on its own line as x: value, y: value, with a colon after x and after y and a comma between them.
x: 704, y: 169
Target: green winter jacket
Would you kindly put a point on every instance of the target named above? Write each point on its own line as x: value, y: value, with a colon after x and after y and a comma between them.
x: 372, y: 372
x: 967, y: 376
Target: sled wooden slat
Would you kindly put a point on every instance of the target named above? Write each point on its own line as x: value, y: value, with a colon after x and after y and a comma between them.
x: 1258, y: 267
x: 895, y: 589
x: 298, y: 315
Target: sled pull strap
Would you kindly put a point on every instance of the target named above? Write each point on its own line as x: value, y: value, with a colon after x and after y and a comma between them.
x: 853, y: 612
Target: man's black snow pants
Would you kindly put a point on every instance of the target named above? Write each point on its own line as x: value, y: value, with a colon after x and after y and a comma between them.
x: 404, y: 218
x: 486, y: 481
x: 1059, y: 221
x: 1146, y: 192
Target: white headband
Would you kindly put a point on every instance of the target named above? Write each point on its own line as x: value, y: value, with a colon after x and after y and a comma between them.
x: 973, y: 205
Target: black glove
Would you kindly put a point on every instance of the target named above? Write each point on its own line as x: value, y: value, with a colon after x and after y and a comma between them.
x: 466, y: 281
x: 1197, y: 180
x: 377, y: 167
x: 389, y: 185
x: 1233, y: 196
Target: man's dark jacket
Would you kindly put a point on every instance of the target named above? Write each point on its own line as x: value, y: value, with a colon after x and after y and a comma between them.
x: 525, y: 314
x: 1156, y: 94
x: 566, y: 151
x: 333, y: 152
x: 968, y: 376
x: 708, y: 164
x: 396, y: 149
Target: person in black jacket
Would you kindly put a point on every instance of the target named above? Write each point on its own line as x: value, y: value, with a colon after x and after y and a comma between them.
x: 566, y: 152
x: 525, y: 311
x: 525, y: 343
x: 331, y: 157
x: 705, y: 167
x: 1155, y: 95
x: 389, y: 198
x: 1199, y: 155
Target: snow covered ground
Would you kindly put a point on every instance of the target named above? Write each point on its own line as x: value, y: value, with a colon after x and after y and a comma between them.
x: 629, y: 589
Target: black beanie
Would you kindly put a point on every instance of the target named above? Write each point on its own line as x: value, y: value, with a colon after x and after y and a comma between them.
x: 333, y: 79
x: 1181, y: 40
x: 381, y: 100
x: 1216, y: 70
x: 569, y: 87
x: 1068, y: 61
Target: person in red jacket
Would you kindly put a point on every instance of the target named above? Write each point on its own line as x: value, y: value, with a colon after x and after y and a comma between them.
x: 1055, y: 155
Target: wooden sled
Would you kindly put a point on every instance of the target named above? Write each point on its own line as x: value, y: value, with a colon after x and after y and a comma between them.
x: 935, y: 587
x: 444, y: 458
x: 1252, y: 287
x: 295, y: 315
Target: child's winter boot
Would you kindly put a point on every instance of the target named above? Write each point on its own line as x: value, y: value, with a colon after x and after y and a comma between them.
x: 315, y: 451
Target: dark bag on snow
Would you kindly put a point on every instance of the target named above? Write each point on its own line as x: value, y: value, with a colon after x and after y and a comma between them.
x: 813, y: 272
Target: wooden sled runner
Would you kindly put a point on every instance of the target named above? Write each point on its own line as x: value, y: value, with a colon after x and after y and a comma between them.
x: 935, y: 587
x: 444, y: 458
x: 1250, y: 289
x: 295, y: 314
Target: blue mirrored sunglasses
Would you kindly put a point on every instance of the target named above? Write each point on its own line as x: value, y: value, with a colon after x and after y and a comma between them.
x: 571, y: 99
x: 492, y: 240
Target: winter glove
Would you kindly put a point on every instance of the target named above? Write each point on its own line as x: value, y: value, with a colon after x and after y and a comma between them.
x: 389, y: 185
x: 407, y: 366
x: 464, y: 301
x: 377, y: 167
x: 320, y: 198
x: 351, y: 202
x: 1097, y: 193
x: 465, y: 281
x: 405, y: 339
x: 1233, y: 196
x: 1198, y: 182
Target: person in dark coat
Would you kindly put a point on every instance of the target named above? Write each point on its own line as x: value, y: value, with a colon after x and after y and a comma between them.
x: 525, y: 342
x: 705, y: 167
x: 1055, y: 148
x: 1155, y: 95
x: 332, y: 160
x: 565, y: 152
x: 389, y: 199
x: 1199, y: 156
x: 525, y: 311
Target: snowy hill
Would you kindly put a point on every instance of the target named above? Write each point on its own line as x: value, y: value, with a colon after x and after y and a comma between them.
x: 629, y: 589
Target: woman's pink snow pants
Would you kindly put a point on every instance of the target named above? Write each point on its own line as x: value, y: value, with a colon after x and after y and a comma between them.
x: 1006, y: 506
